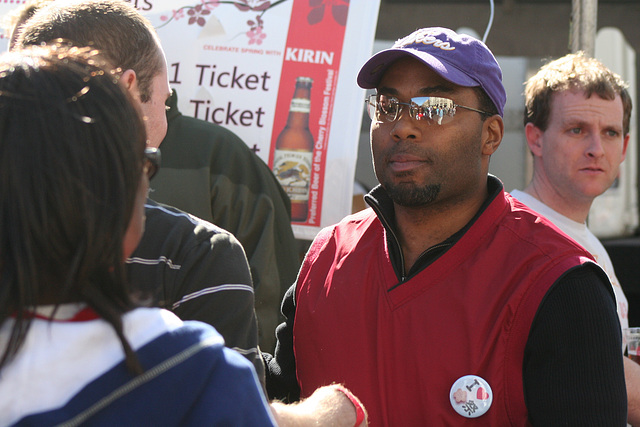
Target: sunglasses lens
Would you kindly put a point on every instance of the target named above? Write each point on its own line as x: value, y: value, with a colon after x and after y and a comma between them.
x: 151, y: 161
x: 372, y: 107
x: 433, y: 110
x: 388, y: 108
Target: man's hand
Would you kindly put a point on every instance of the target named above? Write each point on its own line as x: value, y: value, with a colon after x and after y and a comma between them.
x: 331, y: 405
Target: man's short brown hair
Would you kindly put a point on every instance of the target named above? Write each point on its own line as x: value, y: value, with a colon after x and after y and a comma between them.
x: 122, y: 35
x: 574, y: 71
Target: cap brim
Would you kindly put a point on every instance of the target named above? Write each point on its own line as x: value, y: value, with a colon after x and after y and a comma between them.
x: 373, y: 70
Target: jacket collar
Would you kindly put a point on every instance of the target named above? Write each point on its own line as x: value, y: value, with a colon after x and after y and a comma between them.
x: 383, y: 206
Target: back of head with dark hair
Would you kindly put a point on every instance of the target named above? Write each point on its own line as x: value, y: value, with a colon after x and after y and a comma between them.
x: 574, y: 71
x: 125, y: 37
x: 71, y: 155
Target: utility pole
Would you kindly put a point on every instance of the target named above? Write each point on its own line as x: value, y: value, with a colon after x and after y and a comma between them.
x: 584, y: 23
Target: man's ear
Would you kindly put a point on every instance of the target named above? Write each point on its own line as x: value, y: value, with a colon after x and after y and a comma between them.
x: 624, y: 146
x: 129, y: 81
x: 534, y: 138
x: 492, y: 131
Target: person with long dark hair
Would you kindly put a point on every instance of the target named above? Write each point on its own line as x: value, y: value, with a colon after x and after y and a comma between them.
x: 75, y: 346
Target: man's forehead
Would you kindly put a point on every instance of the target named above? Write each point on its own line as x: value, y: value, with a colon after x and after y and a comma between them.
x: 572, y: 106
x: 580, y: 95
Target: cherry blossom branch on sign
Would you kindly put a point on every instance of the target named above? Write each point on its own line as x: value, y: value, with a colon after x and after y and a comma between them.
x: 206, y: 6
x: 198, y: 15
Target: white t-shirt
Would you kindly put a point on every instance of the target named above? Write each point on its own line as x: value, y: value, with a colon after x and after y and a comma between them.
x: 581, y: 234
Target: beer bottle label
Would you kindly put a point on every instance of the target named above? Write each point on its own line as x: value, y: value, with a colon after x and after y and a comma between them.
x: 293, y: 170
x: 300, y: 105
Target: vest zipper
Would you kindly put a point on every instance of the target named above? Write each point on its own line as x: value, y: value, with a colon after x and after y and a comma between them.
x: 386, y: 226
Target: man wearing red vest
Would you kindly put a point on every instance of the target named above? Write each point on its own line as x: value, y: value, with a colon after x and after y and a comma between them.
x: 449, y: 302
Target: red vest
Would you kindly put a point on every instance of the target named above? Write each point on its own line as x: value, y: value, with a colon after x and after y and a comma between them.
x: 468, y: 313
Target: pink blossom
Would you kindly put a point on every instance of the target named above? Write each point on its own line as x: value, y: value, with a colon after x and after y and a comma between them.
x: 196, y: 15
x: 256, y: 36
x: 339, y: 11
x: 210, y: 5
x: 255, y: 5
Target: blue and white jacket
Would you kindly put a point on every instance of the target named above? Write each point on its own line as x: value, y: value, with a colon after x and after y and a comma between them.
x: 72, y: 372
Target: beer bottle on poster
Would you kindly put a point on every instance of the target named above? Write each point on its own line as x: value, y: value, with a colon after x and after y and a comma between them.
x: 294, y: 151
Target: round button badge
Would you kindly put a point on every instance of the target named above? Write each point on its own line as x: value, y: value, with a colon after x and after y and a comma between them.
x: 471, y: 396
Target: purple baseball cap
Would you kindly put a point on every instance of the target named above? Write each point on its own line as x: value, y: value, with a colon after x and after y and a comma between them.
x: 458, y: 58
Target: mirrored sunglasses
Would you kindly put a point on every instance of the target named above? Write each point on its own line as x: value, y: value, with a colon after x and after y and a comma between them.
x: 383, y: 108
x: 151, y: 161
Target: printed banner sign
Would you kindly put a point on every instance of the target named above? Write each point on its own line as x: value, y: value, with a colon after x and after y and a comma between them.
x: 281, y: 75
